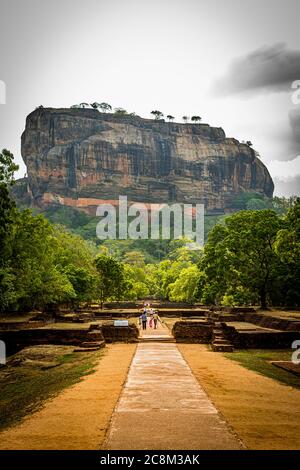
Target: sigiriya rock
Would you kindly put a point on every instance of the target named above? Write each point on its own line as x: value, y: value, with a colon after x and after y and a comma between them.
x: 80, y: 157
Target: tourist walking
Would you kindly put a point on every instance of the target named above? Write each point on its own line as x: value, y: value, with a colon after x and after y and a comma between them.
x: 144, y: 320
x: 155, y: 319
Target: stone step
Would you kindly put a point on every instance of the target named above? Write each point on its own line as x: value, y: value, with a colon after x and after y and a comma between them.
x: 161, y: 339
x: 221, y: 341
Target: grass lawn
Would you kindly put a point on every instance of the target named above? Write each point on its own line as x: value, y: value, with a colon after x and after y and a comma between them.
x: 24, y: 388
x: 258, y: 360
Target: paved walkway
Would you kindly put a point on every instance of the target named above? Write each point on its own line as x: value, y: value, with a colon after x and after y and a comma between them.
x: 160, y: 333
x: 162, y: 405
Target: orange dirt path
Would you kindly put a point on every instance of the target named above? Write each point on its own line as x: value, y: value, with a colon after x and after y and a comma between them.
x: 79, y: 416
x: 264, y: 413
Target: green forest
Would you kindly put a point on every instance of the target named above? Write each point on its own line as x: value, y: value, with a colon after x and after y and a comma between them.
x: 54, y: 258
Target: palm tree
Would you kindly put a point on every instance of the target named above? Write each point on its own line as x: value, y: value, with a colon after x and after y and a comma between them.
x: 170, y: 118
x: 105, y: 107
x: 185, y: 119
x: 157, y: 114
x: 84, y: 105
x: 196, y: 118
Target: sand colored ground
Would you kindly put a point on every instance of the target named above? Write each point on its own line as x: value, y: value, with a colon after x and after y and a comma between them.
x: 79, y: 416
x: 264, y: 413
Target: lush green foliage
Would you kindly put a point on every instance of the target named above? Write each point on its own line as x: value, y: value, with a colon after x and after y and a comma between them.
x: 253, y: 257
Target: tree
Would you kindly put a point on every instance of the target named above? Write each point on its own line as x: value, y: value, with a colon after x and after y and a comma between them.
x: 281, y: 205
x: 7, y: 214
x: 240, y: 259
x: 185, y: 287
x: 168, y: 271
x: 7, y: 205
x: 111, y: 277
x: 241, y: 200
x: 84, y: 105
x: 120, y: 111
x: 249, y: 143
x: 135, y: 283
x: 105, y: 107
x: 95, y: 105
x: 287, y: 244
x: 38, y: 280
x: 83, y: 283
x: 287, y: 247
x: 135, y: 258
x: 170, y: 118
x: 196, y: 118
x: 40, y: 264
x: 74, y: 257
x: 185, y: 119
x: 157, y: 114
x: 7, y: 167
x: 256, y: 204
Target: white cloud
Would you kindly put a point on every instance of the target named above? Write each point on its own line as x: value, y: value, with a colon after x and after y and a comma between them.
x: 284, y: 171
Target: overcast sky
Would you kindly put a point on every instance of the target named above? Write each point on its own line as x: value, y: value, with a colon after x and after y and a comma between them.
x: 230, y: 61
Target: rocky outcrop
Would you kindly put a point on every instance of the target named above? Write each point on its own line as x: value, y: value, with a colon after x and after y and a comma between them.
x: 80, y: 157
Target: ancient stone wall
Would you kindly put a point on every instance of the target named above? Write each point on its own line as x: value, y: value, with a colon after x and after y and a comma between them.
x: 19, y: 339
x: 192, y: 332
x: 114, y: 334
x: 260, y: 339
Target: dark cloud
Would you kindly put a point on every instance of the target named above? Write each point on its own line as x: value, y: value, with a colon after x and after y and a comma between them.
x: 268, y: 69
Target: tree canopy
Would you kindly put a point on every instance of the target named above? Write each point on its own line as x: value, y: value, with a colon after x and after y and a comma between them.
x: 251, y: 256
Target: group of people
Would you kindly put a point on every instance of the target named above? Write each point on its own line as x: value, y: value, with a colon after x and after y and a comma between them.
x: 152, y: 314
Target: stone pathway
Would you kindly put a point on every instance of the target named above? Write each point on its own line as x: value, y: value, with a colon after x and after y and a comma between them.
x: 162, y: 406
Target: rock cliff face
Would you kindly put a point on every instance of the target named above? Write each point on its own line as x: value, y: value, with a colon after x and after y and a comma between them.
x: 80, y: 157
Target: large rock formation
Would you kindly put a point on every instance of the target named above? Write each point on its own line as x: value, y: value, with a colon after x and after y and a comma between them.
x: 80, y: 157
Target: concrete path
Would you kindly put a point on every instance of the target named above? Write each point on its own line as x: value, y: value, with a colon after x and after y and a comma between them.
x: 162, y: 406
x: 160, y: 333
